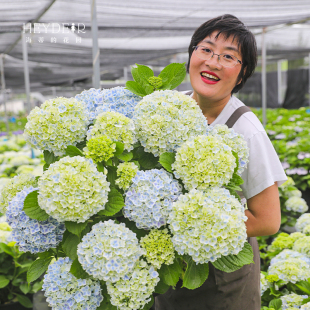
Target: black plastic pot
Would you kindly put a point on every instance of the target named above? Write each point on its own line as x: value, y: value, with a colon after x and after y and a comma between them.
x: 306, y: 196
x: 13, y: 306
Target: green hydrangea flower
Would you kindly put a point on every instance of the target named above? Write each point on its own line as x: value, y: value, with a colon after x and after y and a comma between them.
x: 158, y: 247
x: 204, y: 161
x: 292, y: 301
x: 272, y: 278
x: 155, y: 81
x: 302, y: 245
x: 126, y: 172
x: 99, y: 148
x: 116, y: 127
x: 283, y: 241
x: 13, y: 186
x: 5, y: 230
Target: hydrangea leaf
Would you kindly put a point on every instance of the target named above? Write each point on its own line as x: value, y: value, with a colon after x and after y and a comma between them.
x: 75, y: 228
x: 32, y: 208
x: 125, y: 156
x: 170, y: 274
x: 100, y: 167
x: 37, y: 268
x: 173, y: 75
x: 146, y: 160
x: 78, y: 271
x: 49, y: 157
x: 70, y: 246
x: 132, y: 226
x: 115, y: 203
x: 167, y: 159
x: 82, y: 144
x: 72, y: 151
x: 25, y: 288
x: 161, y: 287
x: 195, y: 274
x: 149, y: 304
x: 119, y: 148
x: 106, y: 305
x: 112, y: 175
x: 276, y: 304
x: 8, y: 250
x: 24, y: 300
x: 3, y: 281
x: 232, y: 263
x: 135, y: 88
x: 304, y: 286
x: 141, y: 74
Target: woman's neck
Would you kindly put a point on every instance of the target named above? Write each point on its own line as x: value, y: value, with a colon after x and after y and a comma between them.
x: 210, y: 109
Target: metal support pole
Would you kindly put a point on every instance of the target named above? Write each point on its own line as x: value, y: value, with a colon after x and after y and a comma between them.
x: 264, y: 76
x: 279, y: 71
x: 26, y: 72
x: 125, y: 74
x: 96, y: 50
x: 309, y: 78
x: 4, y: 94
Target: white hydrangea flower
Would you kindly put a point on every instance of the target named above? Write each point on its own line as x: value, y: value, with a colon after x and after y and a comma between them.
x: 296, y: 204
x: 13, y: 186
x: 234, y: 140
x: 134, y: 291
x: 58, y: 122
x: 167, y: 118
x: 264, y: 284
x: 125, y: 173
x: 302, y: 222
x: 64, y: 291
x: 305, y: 306
x: 302, y: 245
x: 72, y: 189
x: 207, y: 225
x: 204, y: 161
x: 149, y: 199
x: 292, y: 300
x: 294, y: 193
x: 5, y: 230
x: 287, y: 255
x: 109, y: 251
x: 292, y: 270
x: 116, y: 127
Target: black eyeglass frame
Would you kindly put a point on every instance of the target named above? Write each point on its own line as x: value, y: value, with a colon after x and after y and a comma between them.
x: 196, y: 46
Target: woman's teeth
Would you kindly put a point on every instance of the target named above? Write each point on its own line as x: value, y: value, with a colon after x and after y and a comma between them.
x: 209, y: 76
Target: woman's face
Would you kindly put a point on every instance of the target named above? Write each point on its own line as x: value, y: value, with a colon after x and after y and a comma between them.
x: 216, y: 90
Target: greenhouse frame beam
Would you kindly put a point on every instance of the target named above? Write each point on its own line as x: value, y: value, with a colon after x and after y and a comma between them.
x: 4, y: 94
x: 264, y: 76
x: 96, y: 50
x: 26, y: 71
x: 309, y: 79
x: 279, y: 77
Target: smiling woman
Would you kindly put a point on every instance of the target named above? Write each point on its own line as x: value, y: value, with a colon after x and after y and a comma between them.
x: 222, y: 56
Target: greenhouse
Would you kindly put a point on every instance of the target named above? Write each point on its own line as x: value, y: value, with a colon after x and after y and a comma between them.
x: 155, y: 154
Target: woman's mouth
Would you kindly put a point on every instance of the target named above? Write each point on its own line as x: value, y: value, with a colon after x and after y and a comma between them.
x: 209, y: 78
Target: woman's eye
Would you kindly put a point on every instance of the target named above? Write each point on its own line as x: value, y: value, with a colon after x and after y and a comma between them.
x: 228, y: 57
x: 206, y: 50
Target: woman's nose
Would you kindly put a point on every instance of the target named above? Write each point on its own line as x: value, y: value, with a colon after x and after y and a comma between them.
x: 214, y: 61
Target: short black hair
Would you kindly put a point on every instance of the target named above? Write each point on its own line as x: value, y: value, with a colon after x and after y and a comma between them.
x: 229, y: 25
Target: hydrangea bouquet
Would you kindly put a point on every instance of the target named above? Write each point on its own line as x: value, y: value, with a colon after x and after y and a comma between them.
x: 137, y: 194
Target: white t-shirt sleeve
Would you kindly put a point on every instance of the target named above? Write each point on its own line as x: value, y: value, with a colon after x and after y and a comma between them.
x: 264, y: 167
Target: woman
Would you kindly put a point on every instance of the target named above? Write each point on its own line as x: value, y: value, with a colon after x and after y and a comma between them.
x: 222, y: 56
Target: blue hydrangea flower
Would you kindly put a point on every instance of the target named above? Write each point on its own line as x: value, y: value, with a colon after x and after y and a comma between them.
x: 149, y: 199
x: 287, y: 255
x: 32, y: 235
x: 65, y: 292
x: 91, y: 99
x: 118, y: 99
x: 109, y: 251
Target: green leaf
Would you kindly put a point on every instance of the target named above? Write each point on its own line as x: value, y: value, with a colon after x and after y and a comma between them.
x: 25, y: 288
x: 126, y: 156
x: 72, y: 151
x: 135, y: 88
x: 149, y: 304
x: 78, y: 271
x: 70, y: 246
x: 49, y: 157
x: 141, y: 74
x: 37, y: 268
x: 32, y: 208
x: 195, y: 275
x: 100, y: 167
x: 119, y: 149
x: 37, y: 286
x: 161, y: 287
x: 82, y: 144
x: 46, y: 254
x: 24, y: 300
x: 170, y: 274
x: 132, y: 226
x: 106, y: 305
x: 8, y: 250
x: 231, y: 263
x: 112, y: 175
x: 115, y: 203
x: 3, y: 281
x: 146, y: 160
x: 276, y: 304
x: 167, y: 159
x: 75, y: 228
x: 304, y: 286
x: 173, y: 75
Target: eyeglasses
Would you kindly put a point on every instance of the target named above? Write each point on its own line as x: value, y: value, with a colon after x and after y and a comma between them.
x: 225, y: 60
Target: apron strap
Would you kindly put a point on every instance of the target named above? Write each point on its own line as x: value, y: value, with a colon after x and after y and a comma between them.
x: 235, y: 116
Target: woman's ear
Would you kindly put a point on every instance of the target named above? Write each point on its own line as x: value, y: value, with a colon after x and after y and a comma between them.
x: 240, y: 79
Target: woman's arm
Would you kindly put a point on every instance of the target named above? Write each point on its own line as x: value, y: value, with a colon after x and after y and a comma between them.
x: 264, y: 213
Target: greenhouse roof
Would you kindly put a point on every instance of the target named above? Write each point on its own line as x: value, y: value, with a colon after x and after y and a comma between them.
x: 136, y: 31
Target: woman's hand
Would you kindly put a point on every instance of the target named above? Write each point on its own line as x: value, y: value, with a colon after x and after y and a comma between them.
x: 264, y: 213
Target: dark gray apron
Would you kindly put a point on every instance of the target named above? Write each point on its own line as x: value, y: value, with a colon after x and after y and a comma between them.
x: 239, y: 290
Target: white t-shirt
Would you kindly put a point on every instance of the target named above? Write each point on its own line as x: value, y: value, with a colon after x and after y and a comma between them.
x: 264, y: 167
